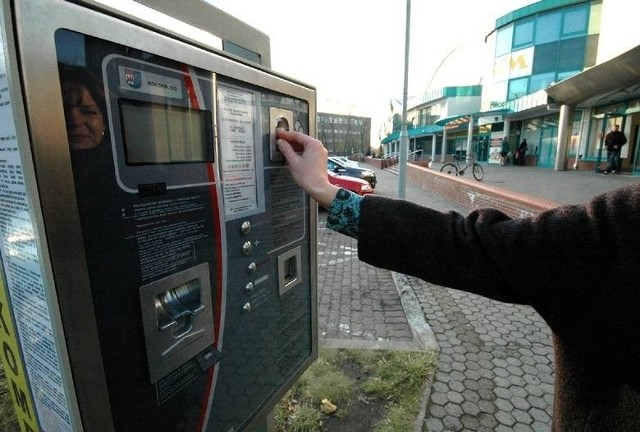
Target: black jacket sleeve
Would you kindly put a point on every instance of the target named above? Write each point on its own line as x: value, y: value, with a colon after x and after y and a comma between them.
x: 576, y: 265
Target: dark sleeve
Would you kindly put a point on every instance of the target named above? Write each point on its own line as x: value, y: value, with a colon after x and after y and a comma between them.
x: 576, y: 265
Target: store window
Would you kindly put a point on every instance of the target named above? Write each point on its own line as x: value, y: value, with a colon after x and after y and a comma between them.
x: 531, y: 132
x: 574, y: 144
x: 547, y: 145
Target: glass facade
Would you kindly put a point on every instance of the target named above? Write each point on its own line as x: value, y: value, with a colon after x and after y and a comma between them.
x: 518, y: 87
x: 548, y: 25
x: 429, y: 115
x: 534, y: 51
x: 503, y: 40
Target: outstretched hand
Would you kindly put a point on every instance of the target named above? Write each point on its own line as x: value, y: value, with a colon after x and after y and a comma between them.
x: 307, y: 158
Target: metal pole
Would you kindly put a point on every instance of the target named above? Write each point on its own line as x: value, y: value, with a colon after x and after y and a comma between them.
x: 470, y: 139
x: 404, y: 135
x: 443, y: 153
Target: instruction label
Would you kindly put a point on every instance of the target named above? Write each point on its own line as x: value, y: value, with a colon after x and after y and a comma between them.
x: 25, y: 291
x: 237, y: 148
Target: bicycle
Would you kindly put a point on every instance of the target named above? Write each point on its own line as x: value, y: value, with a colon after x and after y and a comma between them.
x: 454, y: 167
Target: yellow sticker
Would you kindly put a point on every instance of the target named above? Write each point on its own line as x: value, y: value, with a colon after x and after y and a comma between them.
x: 11, y: 356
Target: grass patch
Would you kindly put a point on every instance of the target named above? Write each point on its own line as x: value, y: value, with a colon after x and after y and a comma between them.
x: 377, y: 391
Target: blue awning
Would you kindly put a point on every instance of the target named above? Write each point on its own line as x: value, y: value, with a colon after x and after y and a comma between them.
x: 414, y: 132
x: 460, y: 119
x: 392, y: 137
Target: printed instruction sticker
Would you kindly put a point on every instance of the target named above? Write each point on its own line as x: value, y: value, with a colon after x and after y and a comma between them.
x: 25, y: 286
x: 237, y: 148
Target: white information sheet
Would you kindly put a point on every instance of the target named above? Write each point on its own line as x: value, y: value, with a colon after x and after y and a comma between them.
x: 24, y: 278
x: 237, y: 148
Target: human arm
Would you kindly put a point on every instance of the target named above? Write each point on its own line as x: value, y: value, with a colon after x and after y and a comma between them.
x: 308, y: 168
x: 576, y: 265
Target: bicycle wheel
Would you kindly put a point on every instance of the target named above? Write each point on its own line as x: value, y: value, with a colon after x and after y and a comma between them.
x: 449, y: 168
x: 478, y: 172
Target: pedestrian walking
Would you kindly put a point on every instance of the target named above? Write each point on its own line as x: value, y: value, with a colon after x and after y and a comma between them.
x: 614, y: 142
x: 504, y: 151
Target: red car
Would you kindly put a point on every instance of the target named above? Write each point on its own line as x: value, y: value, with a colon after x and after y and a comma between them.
x: 359, y: 186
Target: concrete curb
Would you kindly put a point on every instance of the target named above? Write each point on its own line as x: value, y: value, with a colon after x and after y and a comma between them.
x: 424, y: 403
x: 421, y: 332
x: 383, y: 345
x: 415, y: 315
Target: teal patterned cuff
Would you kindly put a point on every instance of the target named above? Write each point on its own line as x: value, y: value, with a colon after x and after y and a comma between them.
x: 344, y: 214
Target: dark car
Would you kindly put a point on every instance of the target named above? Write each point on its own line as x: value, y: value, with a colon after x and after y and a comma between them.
x: 338, y: 167
x: 354, y: 184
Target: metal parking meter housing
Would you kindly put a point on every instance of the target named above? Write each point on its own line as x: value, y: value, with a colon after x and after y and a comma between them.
x: 158, y: 261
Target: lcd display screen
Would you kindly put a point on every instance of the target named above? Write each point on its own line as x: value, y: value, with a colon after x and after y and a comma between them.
x: 162, y: 134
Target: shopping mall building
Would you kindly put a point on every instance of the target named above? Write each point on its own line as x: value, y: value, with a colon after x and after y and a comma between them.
x: 563, y: 73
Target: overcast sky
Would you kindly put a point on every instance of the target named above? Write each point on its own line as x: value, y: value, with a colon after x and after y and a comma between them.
x: 352, y: 51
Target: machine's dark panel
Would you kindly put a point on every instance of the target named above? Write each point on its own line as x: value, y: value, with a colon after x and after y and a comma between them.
x: 198, y: 243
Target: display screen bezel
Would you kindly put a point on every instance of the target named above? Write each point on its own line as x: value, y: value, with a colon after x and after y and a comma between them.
x: 207, y: 145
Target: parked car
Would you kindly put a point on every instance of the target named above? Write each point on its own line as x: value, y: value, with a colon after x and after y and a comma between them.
x: 346, y: 161
x: 354, y: 184
x: 339, y: 168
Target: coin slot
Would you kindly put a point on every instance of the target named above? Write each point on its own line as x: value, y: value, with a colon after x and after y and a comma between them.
x: 290, y: 271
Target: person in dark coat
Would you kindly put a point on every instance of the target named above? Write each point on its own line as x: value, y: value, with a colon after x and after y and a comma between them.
x: 520, y: 152
x: 614, y: 142
x: 593, y: 310
x: 504, y: 151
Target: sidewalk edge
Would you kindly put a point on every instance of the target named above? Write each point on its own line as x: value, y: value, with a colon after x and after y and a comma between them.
x: 415, y: 315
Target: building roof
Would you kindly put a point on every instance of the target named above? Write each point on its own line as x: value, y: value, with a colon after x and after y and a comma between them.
x: 534, y: 8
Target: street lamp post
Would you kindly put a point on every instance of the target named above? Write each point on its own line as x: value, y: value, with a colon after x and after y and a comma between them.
x: 404, y: 135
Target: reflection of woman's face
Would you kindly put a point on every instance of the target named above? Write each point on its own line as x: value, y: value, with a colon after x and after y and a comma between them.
x: 85, y: 125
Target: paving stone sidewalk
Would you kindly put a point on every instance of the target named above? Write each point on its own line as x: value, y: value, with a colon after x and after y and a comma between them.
x: 495, y: 364
x: 358, y: 304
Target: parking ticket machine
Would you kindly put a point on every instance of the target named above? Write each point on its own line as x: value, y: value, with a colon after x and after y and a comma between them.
x: 158, y: 262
